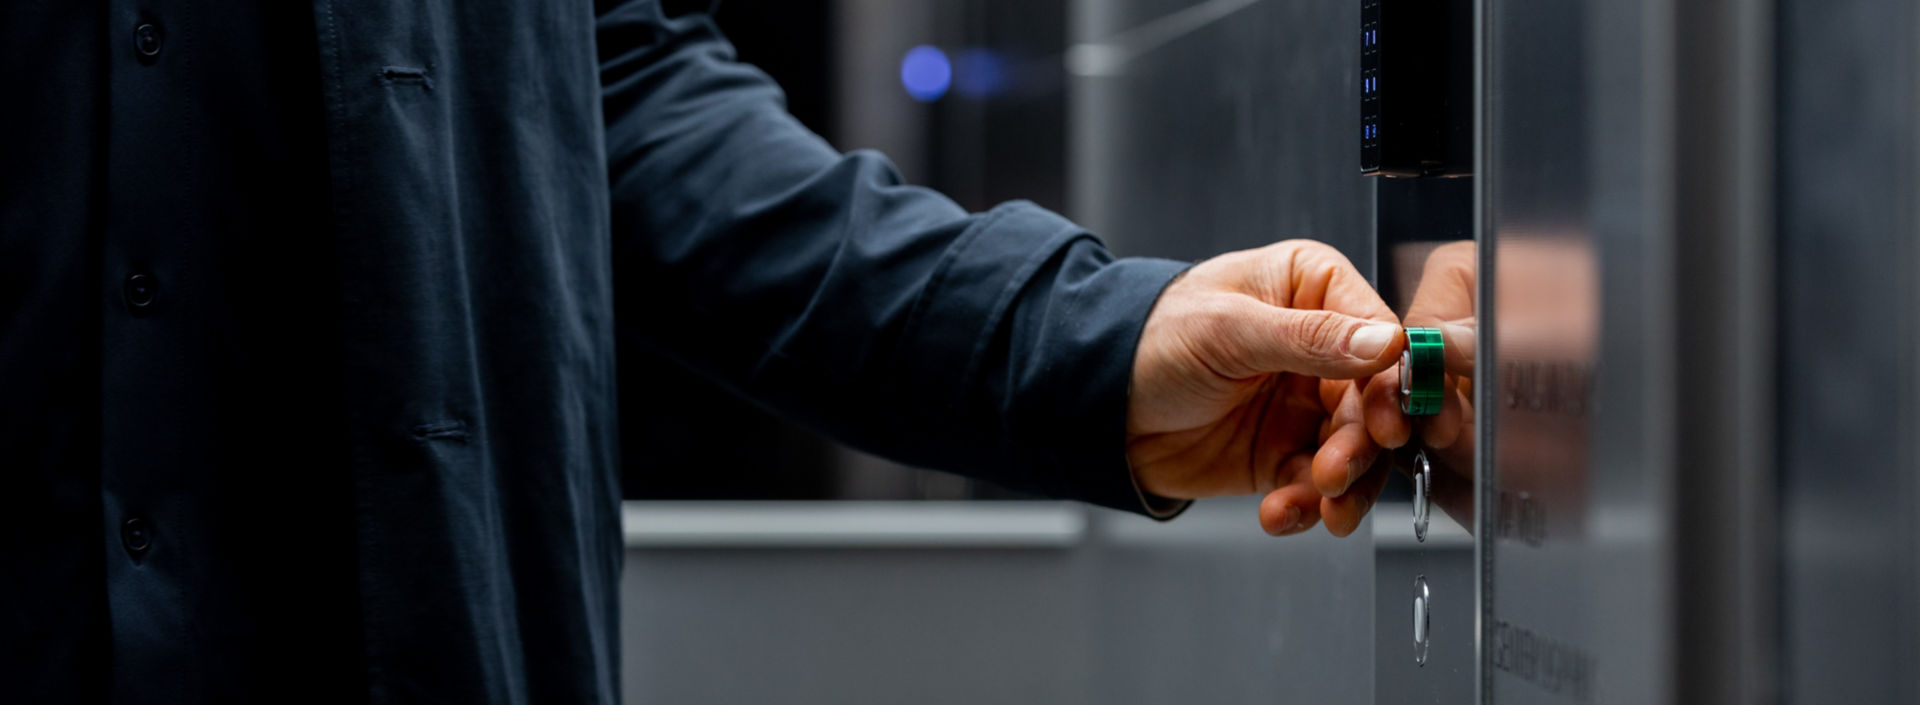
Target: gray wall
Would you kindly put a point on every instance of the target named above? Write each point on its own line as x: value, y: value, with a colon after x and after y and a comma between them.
x: 1206, y: 609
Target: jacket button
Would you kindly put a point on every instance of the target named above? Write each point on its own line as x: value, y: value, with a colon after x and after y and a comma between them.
x: 136, y: 535
x: 139, y: 291
x: 146, y: 40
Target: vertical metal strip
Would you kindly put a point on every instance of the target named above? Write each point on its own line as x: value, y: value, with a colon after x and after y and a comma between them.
x: 1486, y: 328
x: 1726, y: 571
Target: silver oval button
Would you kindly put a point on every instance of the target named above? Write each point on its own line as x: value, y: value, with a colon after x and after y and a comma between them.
x: 1422, y: 607
x: 1422, y: 492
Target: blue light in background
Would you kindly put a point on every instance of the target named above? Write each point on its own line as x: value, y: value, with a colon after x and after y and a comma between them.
x: 925, y: 73
x: 979, y: 73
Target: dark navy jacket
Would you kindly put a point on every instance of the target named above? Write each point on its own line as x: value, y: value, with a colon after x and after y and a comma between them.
x: 520, y: 191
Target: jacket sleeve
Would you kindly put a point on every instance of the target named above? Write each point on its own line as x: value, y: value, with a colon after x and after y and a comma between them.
x: 997, y: 345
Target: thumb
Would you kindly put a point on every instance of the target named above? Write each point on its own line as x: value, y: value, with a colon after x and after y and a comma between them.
x: 1323, y: 344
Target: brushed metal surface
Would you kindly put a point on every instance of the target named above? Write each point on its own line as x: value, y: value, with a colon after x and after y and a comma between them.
x: 1577, y: 512
x: 1430, y: 282
x: 1633, y: 492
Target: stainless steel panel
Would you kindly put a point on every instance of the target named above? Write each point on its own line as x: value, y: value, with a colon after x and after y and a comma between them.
x: 1633, y: 494
x: 1429, y: 284
x: 1445, y: 559
x: 1427, y: 271
x: 1576, y: 504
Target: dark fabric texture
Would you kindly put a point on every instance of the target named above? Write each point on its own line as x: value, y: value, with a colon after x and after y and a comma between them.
x: 212, y: 416
x: 423, y: 501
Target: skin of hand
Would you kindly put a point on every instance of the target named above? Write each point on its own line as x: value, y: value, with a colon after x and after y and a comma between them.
x: 1444, y: 300
x: 1250, y: 377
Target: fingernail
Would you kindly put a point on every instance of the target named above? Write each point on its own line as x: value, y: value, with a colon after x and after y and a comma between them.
x: 1290, y: 519
x: 1369, y: 341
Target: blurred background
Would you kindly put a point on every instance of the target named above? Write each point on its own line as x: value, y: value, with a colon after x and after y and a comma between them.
x: 967, y: 97
x: 767, y: 564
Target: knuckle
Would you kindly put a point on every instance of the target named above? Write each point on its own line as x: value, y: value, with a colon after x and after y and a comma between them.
x: 1319, y: 330
x: 1300, y: 243
x: 1315, y: 251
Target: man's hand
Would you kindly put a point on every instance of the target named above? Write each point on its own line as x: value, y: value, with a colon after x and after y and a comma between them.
x: 1249, y: 379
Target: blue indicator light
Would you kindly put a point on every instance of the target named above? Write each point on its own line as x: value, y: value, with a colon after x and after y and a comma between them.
x: 925, y: 73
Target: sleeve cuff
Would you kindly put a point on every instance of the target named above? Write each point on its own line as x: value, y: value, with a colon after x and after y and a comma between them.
x: 1155, y: 506
x: 1089, y: 337
x: 1050, y: 366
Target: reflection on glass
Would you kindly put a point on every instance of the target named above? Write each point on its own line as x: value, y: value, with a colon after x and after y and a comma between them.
x: 1444, y: 280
